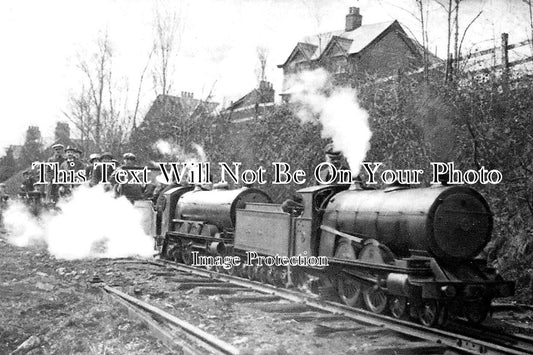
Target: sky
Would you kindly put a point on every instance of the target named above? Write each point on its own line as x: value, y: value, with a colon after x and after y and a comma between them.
x: 43, y: 42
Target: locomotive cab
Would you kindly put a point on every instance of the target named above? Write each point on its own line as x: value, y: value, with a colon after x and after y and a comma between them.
x: 269, y: 230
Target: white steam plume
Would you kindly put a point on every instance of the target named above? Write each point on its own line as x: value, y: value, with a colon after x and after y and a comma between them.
x: 175, y: 151
x: 22, y: 226
x: 91, y: 223
x: 337, y: 108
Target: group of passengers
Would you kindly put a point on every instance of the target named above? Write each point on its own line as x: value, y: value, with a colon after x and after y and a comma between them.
x: 70, y: 159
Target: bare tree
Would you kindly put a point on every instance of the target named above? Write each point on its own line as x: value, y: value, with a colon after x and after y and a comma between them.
x: 456, y: 35
x: 168, y: 27
x: 420, y: 14
x: 423, y: 26
x: 466, y: 29
x: 139, y: 90
x: 98, y: 73
x: 529, y: 4
x: 99, y: 109
x: 449, y: 11
x: 451, y: 7
x: 79, y: 114
x: 262, y: 57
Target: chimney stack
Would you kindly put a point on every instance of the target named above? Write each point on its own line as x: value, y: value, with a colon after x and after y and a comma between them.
x: 353, y: 19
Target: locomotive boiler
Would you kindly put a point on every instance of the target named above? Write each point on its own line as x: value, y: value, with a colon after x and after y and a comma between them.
x: 200, y: 220
x: 452, y: 222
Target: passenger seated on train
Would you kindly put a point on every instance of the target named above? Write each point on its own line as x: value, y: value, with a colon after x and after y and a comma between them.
x: 27, y: 183
x: 74, y: 163
x: 158, y: 196
x: 3, y: 195
x: 97, y: 175
x: 52, y: 190
x: 294, y: 205
x: 89, y: 169
x: 132, y: 192
x: 335, y: 158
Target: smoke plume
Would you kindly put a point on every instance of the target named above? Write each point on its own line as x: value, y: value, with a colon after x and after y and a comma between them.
x: 337, y: 109
x: 89, y: 224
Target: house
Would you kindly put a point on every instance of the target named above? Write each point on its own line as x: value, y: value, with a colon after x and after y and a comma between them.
x: 169, y: 118
x: 176, y: 107
x: 252, y: 105
x: 356, y: 52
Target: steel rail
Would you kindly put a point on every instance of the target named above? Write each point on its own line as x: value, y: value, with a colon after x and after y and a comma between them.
x: 205, y: 341
x: 452, y: 340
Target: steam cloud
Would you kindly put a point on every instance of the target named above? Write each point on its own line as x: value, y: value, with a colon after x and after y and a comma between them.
x: 91, y: 223
x: 175, y: 151
x: 343, y: 120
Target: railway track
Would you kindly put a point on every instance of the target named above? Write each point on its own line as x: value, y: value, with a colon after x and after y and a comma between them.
x: 256, y: 322
x: 461, y: 338
x: 178, y: 335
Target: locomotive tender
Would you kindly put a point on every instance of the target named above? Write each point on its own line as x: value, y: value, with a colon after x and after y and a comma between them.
x: 411, y: 252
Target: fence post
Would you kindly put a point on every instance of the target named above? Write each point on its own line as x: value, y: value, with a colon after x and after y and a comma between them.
x: 505, y: 51
x: 505, y: 61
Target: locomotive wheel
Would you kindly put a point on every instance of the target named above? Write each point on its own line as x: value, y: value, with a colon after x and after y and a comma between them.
x: 428, y: 312
x: 375, y: 299
x: 238, y: 270
x: 443, y: 316
x: 249, y: 272
x: 270, y: 275
x: 398, y: 307
x: 186, y: 255
x: 476, y: 312
x: 297, y: 277
x: 173, y: 254
x: 220, y: 269
x: 256, y: 270
x: 281, y: 276
x: 262, y: 274
x: 349, y: 290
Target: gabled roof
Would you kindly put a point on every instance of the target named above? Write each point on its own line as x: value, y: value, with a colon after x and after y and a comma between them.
x: 167, y: 105
x: 262, y: 94
x: 351, y: 41
x: 337, y: 42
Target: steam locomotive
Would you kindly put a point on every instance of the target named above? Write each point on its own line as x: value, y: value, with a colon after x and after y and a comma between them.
x: 412, y: 252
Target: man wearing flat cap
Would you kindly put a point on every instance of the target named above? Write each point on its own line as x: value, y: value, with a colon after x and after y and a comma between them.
x: 335, y: 158
x: 131, y: 191
x: 93, y: 158
x: 73, y: 162
x: 4, y: 197
x: 27, y: 182
x: 52, y: 190
x: 98, y: 171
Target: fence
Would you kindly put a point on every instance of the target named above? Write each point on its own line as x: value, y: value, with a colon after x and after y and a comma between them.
x: 502, y: 58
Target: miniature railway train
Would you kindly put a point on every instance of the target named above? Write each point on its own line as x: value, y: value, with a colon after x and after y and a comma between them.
x: 412, y: 252
x: 408, y: 251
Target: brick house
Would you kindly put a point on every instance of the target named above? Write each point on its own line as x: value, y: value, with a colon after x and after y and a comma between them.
x: 178, y: 107
x: 252, y: 105
x: 357, y: 52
